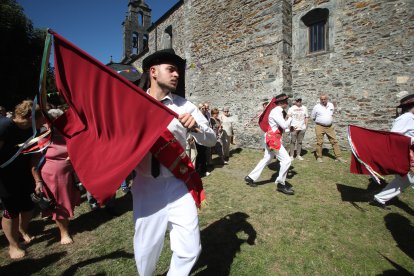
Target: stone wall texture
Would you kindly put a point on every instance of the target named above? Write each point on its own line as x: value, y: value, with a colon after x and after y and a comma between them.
x: 368, y: 64
x: 240, y: 52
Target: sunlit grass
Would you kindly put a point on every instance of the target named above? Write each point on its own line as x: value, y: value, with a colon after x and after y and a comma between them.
x: 326, y: 228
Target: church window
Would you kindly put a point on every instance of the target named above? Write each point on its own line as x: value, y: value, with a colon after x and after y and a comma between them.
x: 145, y: 41
x: 167, y: 38
x: 317, y: 22
x: 317, y: 37
x: 140, y: 18
x: 135, y: 43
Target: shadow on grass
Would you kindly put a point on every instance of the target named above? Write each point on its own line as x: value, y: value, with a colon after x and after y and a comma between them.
x: 275, y: 166
x: 402, y: 231
x: 114, y: 255
x: 403, y: 206
x: 91, y: 220
x: 399, y: 269
x: 216, y: 162
x: 30, y: 266
x: 220, y: 244
x: 235, y: 151
x: 325, y: 153
x: 353, y: 195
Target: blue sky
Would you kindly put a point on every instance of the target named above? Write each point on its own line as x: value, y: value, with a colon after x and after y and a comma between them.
x: 95, y: 26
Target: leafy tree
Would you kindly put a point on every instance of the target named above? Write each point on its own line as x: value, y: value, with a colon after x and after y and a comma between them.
x: 21, y: 50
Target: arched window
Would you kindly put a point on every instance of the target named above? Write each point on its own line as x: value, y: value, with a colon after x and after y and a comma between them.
x: 134, y: 43
x: 317, y: 22
x: 167, y: 38
x: 145, y: 41
x: 140, y: 18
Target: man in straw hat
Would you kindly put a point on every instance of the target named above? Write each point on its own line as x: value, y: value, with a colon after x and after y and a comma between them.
x: 404, y: 124
x: 275, y: 125
x: 161, y: 200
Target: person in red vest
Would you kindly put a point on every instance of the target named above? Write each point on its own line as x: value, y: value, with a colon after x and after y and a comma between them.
x: 404, y: 124
x: 276, y: 125
x: 162, y: 201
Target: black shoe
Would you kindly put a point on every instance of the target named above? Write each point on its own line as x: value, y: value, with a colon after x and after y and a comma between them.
x: 376, y: 203
x: 93, y: 204
x: 286, y: 189
x: 80, y: 187
x: 250, y: 181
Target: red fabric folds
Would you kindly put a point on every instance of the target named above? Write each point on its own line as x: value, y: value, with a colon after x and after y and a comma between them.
x: 172, y: 155
x: 264, y: 118
x: 110, y: 125
x: 385, y: 152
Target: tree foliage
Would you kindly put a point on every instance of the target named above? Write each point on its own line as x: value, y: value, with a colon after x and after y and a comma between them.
x: 21, y: 50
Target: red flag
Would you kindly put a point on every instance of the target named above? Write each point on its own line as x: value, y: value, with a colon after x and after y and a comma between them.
x: 264, y: 118
x: 384, y: 152
x: 110, y: 124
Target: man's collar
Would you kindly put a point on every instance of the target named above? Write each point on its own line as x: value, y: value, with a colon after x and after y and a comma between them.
x: 168, y: 97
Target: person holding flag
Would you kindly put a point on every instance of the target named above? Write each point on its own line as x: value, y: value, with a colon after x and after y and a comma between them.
x: 161, y: 198
x: 112, y: 127
x: 404, y: 124
x: 273, y: 121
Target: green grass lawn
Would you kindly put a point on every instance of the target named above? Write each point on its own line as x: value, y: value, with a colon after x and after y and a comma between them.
x: 326, y: 228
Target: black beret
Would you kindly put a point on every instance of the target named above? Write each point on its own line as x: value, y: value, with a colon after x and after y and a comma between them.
x: 162, y: 56
x: 281, y: 97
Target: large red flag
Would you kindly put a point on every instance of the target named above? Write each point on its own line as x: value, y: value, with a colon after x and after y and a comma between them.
x: 264, y: 118
x: 378, y: 152
x: 110, y: 124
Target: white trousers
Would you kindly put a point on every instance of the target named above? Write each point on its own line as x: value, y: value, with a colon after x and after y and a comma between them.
x: 160, y: 204
x: 284, y: 159
x: 395, y: 187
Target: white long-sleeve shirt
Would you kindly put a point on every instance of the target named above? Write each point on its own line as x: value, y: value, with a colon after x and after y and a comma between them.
x: 323, y: 115
x: 205, y: 137
x: 276, y: 119
x: 404, y: 124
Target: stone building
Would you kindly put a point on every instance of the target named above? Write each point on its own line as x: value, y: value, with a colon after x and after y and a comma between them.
x: 240, y: 52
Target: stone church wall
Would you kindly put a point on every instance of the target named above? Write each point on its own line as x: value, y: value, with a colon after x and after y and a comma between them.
x: 368, y: 64
x: 239, y: 52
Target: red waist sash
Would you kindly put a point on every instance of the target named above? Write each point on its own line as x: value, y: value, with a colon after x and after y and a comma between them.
x: 274, y: 138
x: 169, y: 152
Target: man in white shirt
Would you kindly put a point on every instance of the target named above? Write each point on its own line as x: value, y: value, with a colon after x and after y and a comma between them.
x: 161, y: 200
x: 404, y: 124
x: 322, y: 115
x: 300, y: 117
x: 274, y: 147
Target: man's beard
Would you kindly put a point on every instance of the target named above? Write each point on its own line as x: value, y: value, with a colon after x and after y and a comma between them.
x: 171, y: 88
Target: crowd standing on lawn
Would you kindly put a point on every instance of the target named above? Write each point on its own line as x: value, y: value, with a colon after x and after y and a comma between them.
x: 161, y: 199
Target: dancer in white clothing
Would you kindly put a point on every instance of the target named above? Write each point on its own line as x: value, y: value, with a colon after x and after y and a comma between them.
x: 161, y: 200
x: 404, y: 124
x: 277, y: 124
